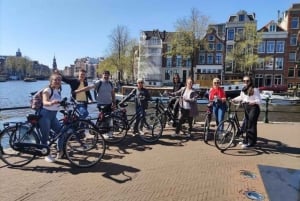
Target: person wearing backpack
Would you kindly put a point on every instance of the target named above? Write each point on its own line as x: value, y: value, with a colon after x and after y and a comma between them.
x: 105, y: 94
x: 48, y: 112
x: 82, y: 98
x: 188, y: 108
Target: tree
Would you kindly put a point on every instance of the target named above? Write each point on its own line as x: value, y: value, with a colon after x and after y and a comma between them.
x: 189, y: 36
x: 244, y: 55
x: 119, y: 46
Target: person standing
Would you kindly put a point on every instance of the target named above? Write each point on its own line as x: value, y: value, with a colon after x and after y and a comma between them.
x: 105, y: 95
x: 51, y: 99
x: 217, y: 97
x: 141, y: 97
x: 250, y: 98
x: 188, y: 106
x: 174, y: 102
x: 81, y: 98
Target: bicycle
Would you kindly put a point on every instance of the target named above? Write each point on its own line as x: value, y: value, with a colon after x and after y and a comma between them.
x: 228, y: 130
x: 20, y: 142
x: 150, y: 127
x: 207, y: 120
x: 165, y: 113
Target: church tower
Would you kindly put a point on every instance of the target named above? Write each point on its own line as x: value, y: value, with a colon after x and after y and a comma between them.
x: 54, y: 65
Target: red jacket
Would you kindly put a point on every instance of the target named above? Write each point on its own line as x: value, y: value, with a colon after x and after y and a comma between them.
x: 219, y: 92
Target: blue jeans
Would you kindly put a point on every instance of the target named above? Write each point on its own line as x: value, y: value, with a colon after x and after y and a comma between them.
x: 49, y: 121
x: 219, y: 112
x: 82, y: 109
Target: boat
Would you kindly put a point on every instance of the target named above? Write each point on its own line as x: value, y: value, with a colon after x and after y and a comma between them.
x: 30, y: 79
x: 278, y: 99
x: 3, y: 78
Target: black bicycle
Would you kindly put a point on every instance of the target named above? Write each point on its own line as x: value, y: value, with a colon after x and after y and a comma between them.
x: 207, y: 120
x: 20, y: 142
x: 228, y: 130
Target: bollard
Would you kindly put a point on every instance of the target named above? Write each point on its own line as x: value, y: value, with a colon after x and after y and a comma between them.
x: 266, y: 119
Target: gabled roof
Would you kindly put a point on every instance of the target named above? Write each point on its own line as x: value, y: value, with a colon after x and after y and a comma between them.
x: 267, y: 27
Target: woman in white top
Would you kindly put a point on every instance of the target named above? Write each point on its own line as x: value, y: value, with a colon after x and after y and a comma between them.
x: 188, y: 106
x: 50, y: 107
x: 250, y: 96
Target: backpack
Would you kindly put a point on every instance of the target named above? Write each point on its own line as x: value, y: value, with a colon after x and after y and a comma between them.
x: 36, y: 101
x: 97, y: 90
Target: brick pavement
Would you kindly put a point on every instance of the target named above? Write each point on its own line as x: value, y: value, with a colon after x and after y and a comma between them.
x: 173, y: 169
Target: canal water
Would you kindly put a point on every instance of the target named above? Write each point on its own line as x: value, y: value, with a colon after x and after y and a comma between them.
x: 17, y: 94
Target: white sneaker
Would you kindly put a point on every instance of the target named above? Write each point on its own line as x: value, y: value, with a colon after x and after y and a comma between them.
x: 175, y: 134
x: 59, y: 155
x: 110, y: 134
x: 49, y: 159
x: 105, y: 136
x: 246, y: 146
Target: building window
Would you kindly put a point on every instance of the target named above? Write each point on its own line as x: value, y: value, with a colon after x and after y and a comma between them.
x: 219, y: 46
x: 292, y: 56
x: 168, y: 74
x: 298, y: 73
x: 260, y: 63
x: 261, y: 47
x: 230, y: 34
x: 259, y: 80
x: 154, y: 41
x: 241, y: 18
x: 210, y: 59
x: 188, y: 62
x: 211, y: 46
x: 293, y: 40
x: 295, y: 23
x: 169, y: 61
x: 272, y: 28
x: 270, y: 46
x: 169, y: 48
x: 229, y: 48
x: 201, y: 58
x: 178, y: 61
x: 280, y: 47
x: 277, y: 79
x: 269, y: 64
x: 268, y: 80
x: 291, y: 72
x: 219, y: 58
x: 278, y: 63
x: 211, y: 37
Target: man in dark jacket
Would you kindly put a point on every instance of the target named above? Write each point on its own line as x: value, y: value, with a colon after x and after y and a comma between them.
x: 81, y: 98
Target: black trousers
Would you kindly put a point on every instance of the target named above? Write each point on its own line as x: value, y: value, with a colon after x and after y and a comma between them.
x: 251, y: 115
x: 184, y: 115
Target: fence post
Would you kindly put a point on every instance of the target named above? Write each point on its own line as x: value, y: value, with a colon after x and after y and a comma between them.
x: 266, y: 119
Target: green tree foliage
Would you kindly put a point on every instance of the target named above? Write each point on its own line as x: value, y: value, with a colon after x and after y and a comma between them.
x: 189, y: 36
x: 244, y: 55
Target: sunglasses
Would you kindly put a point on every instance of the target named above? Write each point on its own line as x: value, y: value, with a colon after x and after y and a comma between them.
x: 246, y: 80
x: 216, y: 82
x: 140, y: 82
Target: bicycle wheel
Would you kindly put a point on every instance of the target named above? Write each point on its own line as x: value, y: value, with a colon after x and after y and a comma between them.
x: 118, y: 131
x: 150, y: 128
x: 224, y: 135
x: 84, y: 146
x: 11, y: 135
x: 206, y: 128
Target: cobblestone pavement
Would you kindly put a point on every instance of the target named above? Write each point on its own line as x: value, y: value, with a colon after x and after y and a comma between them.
x: 172, y: 169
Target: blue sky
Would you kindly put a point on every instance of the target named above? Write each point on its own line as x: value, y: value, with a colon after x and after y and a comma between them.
x: 71, y: 29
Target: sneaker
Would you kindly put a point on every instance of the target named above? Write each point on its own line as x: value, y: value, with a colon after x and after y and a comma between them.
x: 175, y: 134
x: 246, y: 146
x: 105, y: 136
x: 188, y: 134
x: 142, y: 132
x: 49, y: 159
x: 59, y: 155
x: 110, y: 134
